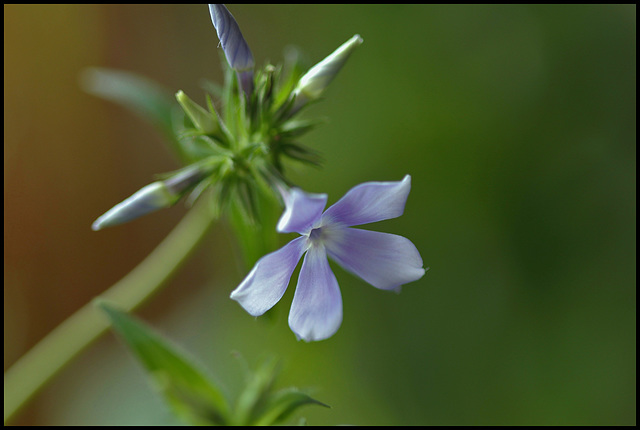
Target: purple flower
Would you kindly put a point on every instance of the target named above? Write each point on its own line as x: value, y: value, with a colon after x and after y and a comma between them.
x: 384, y: 260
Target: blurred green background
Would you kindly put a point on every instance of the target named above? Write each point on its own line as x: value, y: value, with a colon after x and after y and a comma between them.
x: 518, y: 126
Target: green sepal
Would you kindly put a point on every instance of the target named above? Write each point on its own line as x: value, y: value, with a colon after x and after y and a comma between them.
x: 301, y: 153
x: 295, y: 128
x: 199, y: 146
x: 254, y: 226
x: 232, y: 105
x: 184, y: 386
x: 212, y: 88
x: 294, y: 67
x: 204, y: 120
x: 206, y: 166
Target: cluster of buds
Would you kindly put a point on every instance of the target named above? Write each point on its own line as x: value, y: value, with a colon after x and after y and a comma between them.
x: 237, y: 145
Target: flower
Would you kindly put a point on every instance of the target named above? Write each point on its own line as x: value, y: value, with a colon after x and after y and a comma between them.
x: 384, y: 260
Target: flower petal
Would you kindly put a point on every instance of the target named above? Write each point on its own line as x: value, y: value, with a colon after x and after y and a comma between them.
x: 302, y: 210
x: 369, y: 202
x: 384, y: 260
x: 316, y: 311
x: 266, y: 283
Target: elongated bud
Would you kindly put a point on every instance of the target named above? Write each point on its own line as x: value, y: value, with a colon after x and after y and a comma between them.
x: 315, y: 81
x: 234, y: 46
x: 148, y: 199
x: 201, y: 118
x: 155, y: 196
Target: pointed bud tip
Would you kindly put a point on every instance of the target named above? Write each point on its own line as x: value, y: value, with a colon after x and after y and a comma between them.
x: 201, y: 118
x: 233, y: 43
x: 313, y: 83
x: 146, y: 200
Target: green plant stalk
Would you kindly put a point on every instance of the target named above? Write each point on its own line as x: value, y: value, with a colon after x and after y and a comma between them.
x: 41, y: 363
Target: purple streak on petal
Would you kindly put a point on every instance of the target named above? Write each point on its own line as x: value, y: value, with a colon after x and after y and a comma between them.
x: 266, y: 283
x: 384, y: 260
x: 369, y: 202
x: 234, y: 46
x: 316, y: 311
x: 302, y: 210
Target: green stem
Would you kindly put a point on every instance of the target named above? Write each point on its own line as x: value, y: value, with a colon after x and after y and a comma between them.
x: 33, y: 370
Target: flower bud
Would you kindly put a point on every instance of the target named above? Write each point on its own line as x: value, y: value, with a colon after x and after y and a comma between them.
x: 315, y: 81
x: 201, y: 118
x: 234, y: 46
x: 148, y: 199
x: 157, y: 195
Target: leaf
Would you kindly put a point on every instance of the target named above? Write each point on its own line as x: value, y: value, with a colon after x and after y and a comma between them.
x: 189, y: 392
x: 282, y: 404
x: 258, y: 404
x: 256, y: 393
x: 138, y: 94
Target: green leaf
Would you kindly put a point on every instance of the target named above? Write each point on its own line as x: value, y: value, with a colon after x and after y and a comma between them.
x: 138, y: 94
x: 189, y: 392
x: 258, y: 404
x: 282, y: 404
x: 256, y: 392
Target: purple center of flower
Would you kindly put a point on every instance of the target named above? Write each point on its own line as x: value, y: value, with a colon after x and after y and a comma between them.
x: 316, y: 235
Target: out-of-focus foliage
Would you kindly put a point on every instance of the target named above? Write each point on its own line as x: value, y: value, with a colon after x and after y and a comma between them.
x: 517, y: 125
x: 187, y: 389
x: 190, y: 393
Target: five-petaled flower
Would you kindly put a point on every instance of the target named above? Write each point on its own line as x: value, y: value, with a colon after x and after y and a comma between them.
x: 384, y: 260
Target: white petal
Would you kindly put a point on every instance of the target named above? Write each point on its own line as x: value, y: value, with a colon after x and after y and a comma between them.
x: 369, y: 202
x: 384, y: 260
x: 266, y: 283
x: 316, y: 311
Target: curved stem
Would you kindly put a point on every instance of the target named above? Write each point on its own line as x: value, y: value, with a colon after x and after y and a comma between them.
x: 33, y: 370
